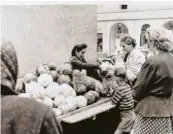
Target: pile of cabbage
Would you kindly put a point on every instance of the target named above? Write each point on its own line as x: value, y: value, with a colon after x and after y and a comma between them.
x: 53, y: 87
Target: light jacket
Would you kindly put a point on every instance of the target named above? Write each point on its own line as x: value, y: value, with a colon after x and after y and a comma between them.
x: 134, y: 62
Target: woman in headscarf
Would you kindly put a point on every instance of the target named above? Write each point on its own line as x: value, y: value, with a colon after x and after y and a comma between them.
x: 154, y: 89
x: 21, y: 115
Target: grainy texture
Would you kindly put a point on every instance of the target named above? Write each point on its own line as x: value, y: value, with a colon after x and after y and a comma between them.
x: 48, y: 33
x: 21, y: 115
x: 9, y: 69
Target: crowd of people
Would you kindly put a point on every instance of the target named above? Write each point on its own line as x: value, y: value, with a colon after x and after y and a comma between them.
x: 151, y: 89
x: 151, y: 81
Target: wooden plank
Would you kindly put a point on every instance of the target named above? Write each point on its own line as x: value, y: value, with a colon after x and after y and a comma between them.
x: 89, y: 113
x: 103, y: 104
x: 78, y: 111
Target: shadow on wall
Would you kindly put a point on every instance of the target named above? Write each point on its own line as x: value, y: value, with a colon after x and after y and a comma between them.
x: 48, y: 33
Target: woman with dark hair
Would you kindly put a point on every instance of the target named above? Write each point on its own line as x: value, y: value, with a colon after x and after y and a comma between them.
x: 134, y: 58
x: 21, y: 115
x: 78, y: 61
x: 154, y: 89
x: 78, y: 48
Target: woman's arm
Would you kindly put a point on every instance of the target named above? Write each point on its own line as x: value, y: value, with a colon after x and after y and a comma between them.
x: 79, y: 64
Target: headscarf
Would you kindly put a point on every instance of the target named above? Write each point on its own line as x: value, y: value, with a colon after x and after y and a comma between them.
x: 163, y: 38
x: 152, y: 33
x: 9, y: 69
x: 165, y: 33
x: 168, y: 35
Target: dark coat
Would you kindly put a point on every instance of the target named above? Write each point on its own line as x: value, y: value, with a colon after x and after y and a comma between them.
x: 80, y: 64
x: 154, y: 87
x: 27, y: 116
x: 21, y: 115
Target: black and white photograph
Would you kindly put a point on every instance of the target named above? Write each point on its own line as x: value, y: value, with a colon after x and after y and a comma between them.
x: 87, y: 67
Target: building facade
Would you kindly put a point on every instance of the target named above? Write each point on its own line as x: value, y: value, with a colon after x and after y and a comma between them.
x: 115, y: 20
x: 43, y: 33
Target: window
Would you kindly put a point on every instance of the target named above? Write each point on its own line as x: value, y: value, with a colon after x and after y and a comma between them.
x: 99, y: 42
x: 143, y: 40
x: 169, y: 25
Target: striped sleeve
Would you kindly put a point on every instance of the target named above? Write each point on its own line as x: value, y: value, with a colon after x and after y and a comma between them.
x: 116, y: 97
x: 127, y: 101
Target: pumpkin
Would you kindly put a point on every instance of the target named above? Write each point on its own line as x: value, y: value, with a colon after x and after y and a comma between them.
x: 57, y: 111
x: 45, y: 80
x: 64, y: 79
x: 29, y: 77
x: 48, y: 101
x: 37, y: 91
x: 59, y: 100
x: 65, y: 69
x: 71, y: 103
x: 67, y: 90
x: 76, y: 71
x: 90, y: 98
x: 81, y: 101
x: 64, y: 108
x: 54, y: 75
x: 95, y: 94
x: 89, y: 83
x: 42, y: 69
x: 81, y: 89
x: 53, y: 90
x: 51, y: 65
x: 98, y: 86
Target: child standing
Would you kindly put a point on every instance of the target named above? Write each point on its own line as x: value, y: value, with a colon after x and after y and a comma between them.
x: 123, y: 99
x: 114, y: 84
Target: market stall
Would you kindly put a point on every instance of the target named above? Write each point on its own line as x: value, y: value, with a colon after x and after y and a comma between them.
x: 73, y: 96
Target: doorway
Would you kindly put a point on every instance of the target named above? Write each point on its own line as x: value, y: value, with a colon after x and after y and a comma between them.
x: 143, y: 41
x: 118, y: 30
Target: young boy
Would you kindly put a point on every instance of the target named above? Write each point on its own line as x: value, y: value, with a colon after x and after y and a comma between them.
x: 123, y: 99
x: 122, y: 94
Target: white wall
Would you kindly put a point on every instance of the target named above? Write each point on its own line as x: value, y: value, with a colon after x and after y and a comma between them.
x: 106, y: 7
x: 136, y: 15
x: 48, y: 33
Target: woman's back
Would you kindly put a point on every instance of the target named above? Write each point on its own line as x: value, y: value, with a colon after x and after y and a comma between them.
x: 21, y: 115
x: 27, y: 116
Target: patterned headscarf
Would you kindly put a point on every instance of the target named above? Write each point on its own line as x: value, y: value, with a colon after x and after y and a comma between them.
x: 9, y: 69
x: 162, y: 37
